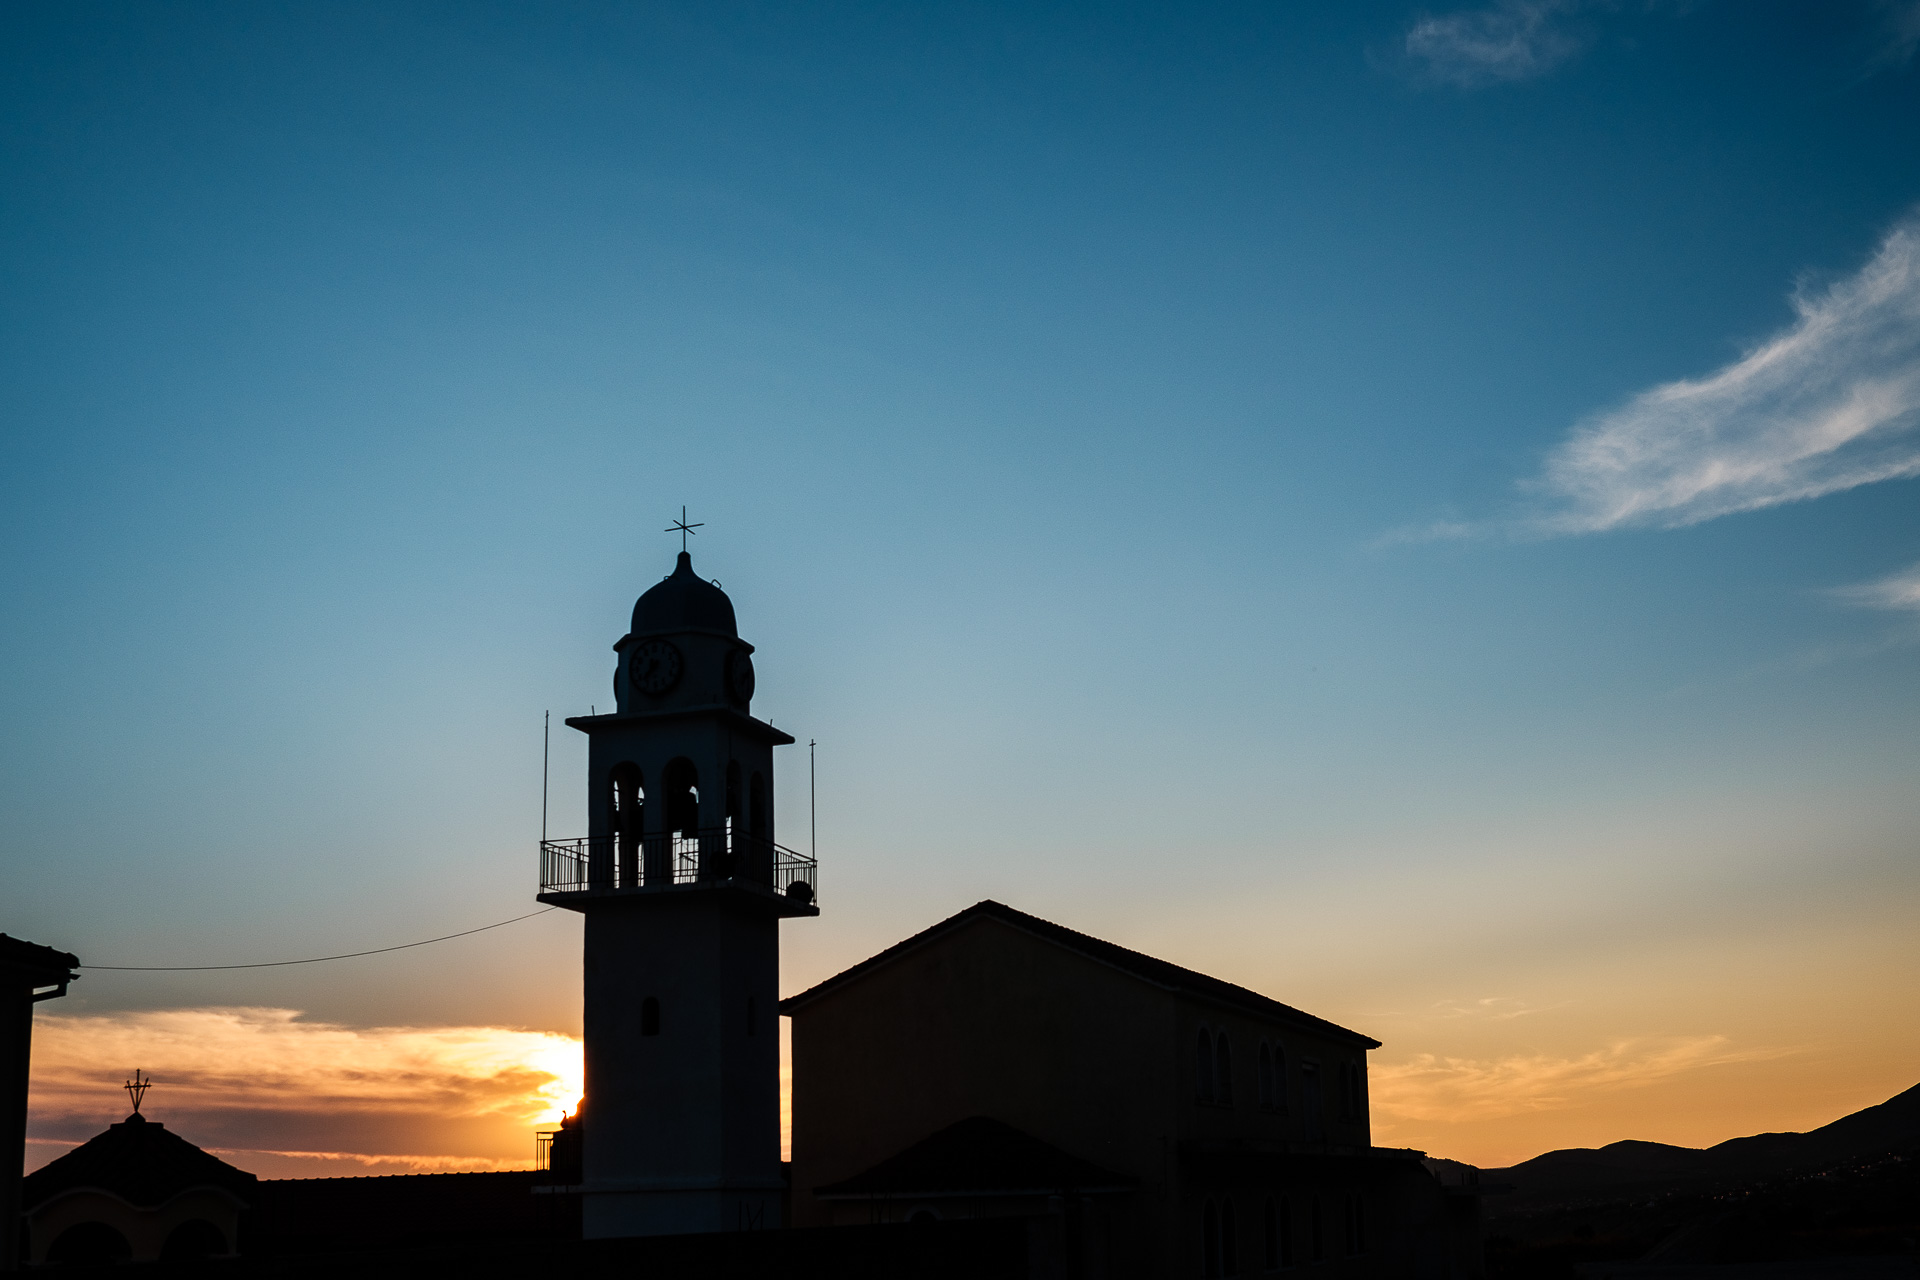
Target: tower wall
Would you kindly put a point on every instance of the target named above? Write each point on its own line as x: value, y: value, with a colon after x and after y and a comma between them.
x: 682, y: 1127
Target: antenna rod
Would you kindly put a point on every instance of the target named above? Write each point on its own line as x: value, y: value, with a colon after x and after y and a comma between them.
x: 813, y: 823
x: 546, y: 742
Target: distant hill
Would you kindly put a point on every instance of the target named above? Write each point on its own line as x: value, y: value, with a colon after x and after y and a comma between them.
x: 1623, y: 1168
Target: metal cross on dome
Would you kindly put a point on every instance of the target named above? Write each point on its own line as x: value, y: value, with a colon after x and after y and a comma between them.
x: 683, y: 527
x: 137, y: 1089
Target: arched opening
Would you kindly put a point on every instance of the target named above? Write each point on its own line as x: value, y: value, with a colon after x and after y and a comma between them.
x: 1279, y: 1077
x: 1356, y: 1224
x: 1316, y: 1238
x: 1270, y: 1235
x: 626, y: 818
x: 923, y: 1214
x: 86, y: 1243
x: 1203, y: 1068
x: 1283, y: 1232
x: 680, y: 821
x: 650, y: 1017
x: 681, y: 783
x: 1229, y: 1240
x: 1210, y: 1241
x: 1266, y: 1077
x: 194, y: 1238
x: 1223, y: 1071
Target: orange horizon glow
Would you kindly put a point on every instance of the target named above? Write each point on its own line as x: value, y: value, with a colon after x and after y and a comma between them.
x: 242, y: 1081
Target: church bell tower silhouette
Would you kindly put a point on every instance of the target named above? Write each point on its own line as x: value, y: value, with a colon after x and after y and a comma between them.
x: 683, y: 889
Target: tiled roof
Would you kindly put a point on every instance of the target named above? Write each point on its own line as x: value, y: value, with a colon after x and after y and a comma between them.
x: 1145, y: 967
x: 980, y: 1156
x: 139, y: 1161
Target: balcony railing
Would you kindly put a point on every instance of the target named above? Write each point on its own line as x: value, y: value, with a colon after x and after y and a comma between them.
x: 709, y: 855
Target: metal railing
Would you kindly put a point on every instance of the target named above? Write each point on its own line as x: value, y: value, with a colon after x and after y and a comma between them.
x: 707, y: 856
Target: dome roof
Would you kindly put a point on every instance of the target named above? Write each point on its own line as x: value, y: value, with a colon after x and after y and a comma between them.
x: 682, y: 601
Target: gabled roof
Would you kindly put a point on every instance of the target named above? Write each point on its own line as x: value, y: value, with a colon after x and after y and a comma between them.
x: 1144, y: 967
x: 978, y: 1156
x: 139, y: 1161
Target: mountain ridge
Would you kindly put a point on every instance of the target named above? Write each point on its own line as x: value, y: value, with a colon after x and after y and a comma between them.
x: 1633, y: 1164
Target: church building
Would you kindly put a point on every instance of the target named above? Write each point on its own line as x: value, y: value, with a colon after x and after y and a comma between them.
x: 1167, y: 1123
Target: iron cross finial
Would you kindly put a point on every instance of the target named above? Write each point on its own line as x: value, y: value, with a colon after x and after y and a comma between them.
x: 137, y: 1089
x: 683, y: 527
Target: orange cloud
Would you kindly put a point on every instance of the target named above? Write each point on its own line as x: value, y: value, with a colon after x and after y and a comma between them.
x: 1434, y: 1088
x: 235, y: 1074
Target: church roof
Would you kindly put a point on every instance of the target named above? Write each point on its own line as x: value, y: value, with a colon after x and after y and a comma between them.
x: 979, y: 1156
x: 139, y: 1161
x: 683, y: 601
x: 1144, y: 967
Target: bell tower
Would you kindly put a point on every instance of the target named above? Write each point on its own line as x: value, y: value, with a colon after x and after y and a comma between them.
x: 683, y: 889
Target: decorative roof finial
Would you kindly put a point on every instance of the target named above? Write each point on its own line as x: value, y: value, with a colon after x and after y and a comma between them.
x: 137, y: 1089
x: 683, y: 527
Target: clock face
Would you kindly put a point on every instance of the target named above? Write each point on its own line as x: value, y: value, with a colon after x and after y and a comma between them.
x: 654, y: 667
x: 740, y: 676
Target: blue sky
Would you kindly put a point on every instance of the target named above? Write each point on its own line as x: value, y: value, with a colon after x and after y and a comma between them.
x: 1304, y: 490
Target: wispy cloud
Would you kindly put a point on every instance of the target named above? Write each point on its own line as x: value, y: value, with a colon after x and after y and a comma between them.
x: 1491, y: 1008
x: 268, y: 1082
x: 1830, y: 403
x: 1899, y: 33
x: 1511, y: 40
x: 1451, y: 1090
x: 1895, y: 591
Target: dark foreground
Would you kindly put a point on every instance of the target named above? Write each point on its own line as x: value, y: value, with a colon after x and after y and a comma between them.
x: 987, y: 1249
x: 1856, y: 1218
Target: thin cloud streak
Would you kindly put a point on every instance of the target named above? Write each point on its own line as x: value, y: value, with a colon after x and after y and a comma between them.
x: 1829, y: 404
x: 1513, y: 40
x: 1451, y: 1090
x: 1896, y: 591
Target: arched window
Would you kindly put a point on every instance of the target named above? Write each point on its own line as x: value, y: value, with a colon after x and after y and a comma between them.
x: 1266, y: 1076
x: 1310, y: 1101
x: 1316, y: 1239
x: 1203, y: 1068
x: 1223, y: 1071
x: 1279, y: 1077
x: 626, y: 820
x: 1210, y: 1241
x: 1229, y: 1241
x: 1356, y: 1226
x: 649, y: 1017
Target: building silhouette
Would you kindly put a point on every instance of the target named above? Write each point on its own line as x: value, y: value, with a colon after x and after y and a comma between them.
x: 1167, y: 1122
x: 29, y: 973
x: 136, y: 1193
x: 683, y: 889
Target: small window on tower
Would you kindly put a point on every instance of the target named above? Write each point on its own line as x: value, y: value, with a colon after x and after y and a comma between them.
x: 649, y: 1017
x: 1203, y: 1068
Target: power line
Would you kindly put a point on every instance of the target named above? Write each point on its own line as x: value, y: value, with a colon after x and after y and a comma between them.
x: 274, y: 964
